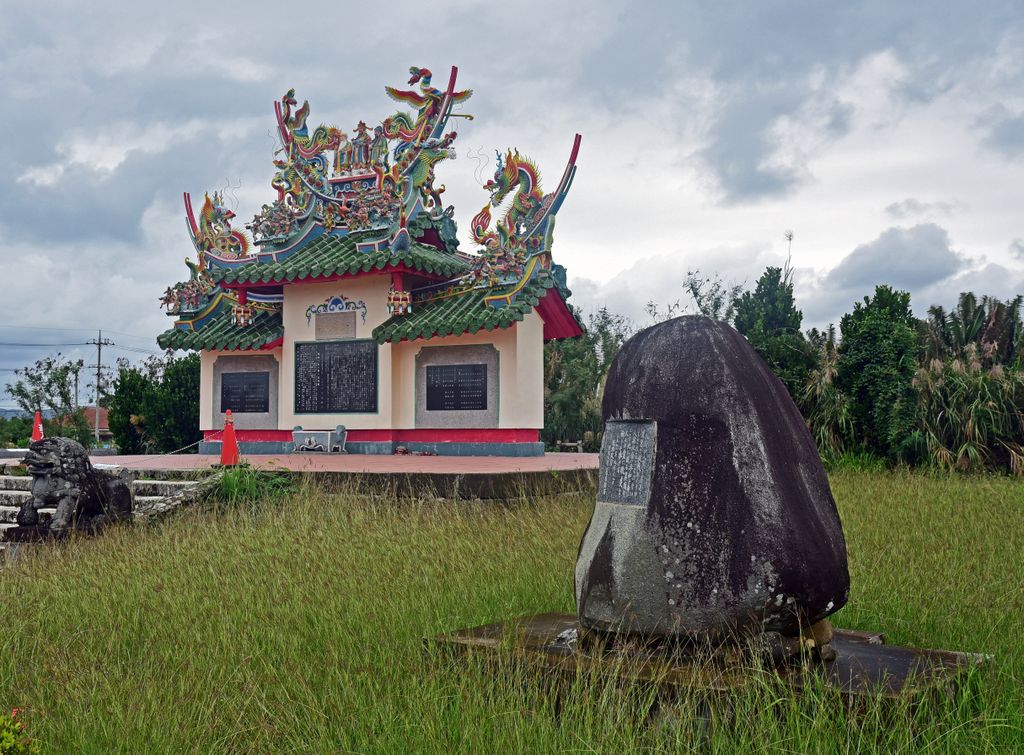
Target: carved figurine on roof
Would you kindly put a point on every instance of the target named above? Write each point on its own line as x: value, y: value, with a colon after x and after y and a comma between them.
x: 518, y: 244
x: 191, y: 295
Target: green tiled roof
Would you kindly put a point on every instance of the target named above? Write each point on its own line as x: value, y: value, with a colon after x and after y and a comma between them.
x: 464, y: 313
x: 220, y: 333
x: 330, y: 255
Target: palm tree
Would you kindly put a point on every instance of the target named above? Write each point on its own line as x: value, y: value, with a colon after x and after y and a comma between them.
x: 826, y: 408
x: 994, y: 328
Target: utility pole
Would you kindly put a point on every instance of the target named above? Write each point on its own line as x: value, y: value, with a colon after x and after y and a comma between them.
x: 100, y: 342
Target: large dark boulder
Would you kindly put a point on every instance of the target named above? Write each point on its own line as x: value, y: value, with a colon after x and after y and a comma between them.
x: 714, y: 514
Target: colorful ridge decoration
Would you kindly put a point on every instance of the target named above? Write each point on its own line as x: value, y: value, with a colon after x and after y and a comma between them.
x: 362, y: 201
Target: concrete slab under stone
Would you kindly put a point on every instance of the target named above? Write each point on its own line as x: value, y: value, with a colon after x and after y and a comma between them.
x: 864, y: 664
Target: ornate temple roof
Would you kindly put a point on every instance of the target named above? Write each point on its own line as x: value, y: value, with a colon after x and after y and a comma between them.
x: 330, y: 255
x: 365, y: 204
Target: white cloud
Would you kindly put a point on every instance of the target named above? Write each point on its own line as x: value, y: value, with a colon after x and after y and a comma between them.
x: 103, y: 152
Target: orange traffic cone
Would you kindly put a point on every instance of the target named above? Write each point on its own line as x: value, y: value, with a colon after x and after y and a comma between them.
x: 37, y: 426
x: 229, y: 444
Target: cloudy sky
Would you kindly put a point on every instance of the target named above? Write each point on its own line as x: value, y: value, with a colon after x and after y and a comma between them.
x: 889, y: 137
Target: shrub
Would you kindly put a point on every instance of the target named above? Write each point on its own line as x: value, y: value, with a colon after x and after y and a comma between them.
x: 827, y: 409
x: 247, y: 487
x: 971, y: 418
x: 154, y: 408
x: 13, y: 739
x: 769, y: 319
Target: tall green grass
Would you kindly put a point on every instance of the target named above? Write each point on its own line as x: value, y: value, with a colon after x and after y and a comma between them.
x: 298, y: 626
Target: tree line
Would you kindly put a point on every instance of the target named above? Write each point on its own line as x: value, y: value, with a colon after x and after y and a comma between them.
x: 152, y: 407
x: 944, y: 390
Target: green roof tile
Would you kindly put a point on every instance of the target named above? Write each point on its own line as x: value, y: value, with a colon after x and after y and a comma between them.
x: 220, y: 333
x: 465, y: 313
x: 330, y: 255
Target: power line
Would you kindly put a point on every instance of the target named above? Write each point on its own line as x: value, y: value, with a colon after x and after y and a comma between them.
x: 11, y: 343
x: 137, y: 349
x: 58, y: 330
x: 83, y: 343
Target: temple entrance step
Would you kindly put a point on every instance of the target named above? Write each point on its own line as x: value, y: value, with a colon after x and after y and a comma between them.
x: 160, y: 487
x: 14, y: 497
x: 152, y: 490
x: 12, y: 482
x: 8, y: 514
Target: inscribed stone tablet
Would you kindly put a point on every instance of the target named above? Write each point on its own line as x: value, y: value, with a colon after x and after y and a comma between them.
x: 245, y: 392
x: 335, y: 325
x: 333, y: 377
x: 627, y: 462
x: 456, y: 387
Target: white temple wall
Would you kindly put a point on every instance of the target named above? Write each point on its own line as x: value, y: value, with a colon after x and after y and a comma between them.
x: 519, y: 389
x: 210, y: 418
x: 372, y: 291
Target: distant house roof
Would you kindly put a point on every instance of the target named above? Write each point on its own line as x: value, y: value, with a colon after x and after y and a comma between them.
x: 90, y: 417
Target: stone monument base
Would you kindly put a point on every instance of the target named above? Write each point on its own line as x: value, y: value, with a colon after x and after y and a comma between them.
x: 18, y: 540
x: 863, y: 664
x: 33, y: 534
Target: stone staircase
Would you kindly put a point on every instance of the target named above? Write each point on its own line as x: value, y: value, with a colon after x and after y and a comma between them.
x: 151, y: 490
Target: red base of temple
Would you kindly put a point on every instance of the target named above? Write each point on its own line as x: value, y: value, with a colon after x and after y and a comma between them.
x: 395, y: 436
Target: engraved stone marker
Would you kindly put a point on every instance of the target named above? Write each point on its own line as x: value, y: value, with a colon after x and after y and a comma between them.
x: 627, y: 462
x: 335, y: 377
x: 713, y: 513
x: 456, y: 387
x: 245, y: 392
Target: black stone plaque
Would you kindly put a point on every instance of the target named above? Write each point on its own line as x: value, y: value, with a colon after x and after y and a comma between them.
x: 336, y: 377
x: 247, y: 392
x: 456, y: 387
x: 627, y: 462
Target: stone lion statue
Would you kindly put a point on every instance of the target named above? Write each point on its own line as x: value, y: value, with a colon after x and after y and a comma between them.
x: 63, y: 477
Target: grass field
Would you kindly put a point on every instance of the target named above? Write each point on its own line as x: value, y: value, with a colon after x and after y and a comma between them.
x: 298, y: 627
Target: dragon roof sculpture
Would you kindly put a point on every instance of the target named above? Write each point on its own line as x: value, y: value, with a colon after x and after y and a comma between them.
x: 368, y: 194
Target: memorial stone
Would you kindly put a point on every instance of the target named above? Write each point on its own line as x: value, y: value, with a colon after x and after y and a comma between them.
x: 336, y: 377
x: 714, y: 515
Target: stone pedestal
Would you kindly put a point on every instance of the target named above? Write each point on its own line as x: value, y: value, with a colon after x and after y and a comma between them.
x: 863, y: 663
x: 17, y: 541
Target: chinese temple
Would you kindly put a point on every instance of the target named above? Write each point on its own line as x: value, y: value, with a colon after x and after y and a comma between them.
x: 346, y: 301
